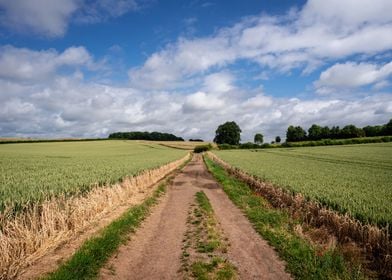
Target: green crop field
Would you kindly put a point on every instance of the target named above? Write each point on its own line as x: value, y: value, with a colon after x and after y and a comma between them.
x: 32, y: 172
x: 356, y: 179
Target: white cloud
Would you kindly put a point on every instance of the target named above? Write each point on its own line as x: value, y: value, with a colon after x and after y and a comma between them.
x: 25, y: 64
x: 219, y: 82
x: 42, y: 16
x: 258, y: 101
x: 52, y: 18
x: 304, y: 39
x: 200, y: 101
x: 69, y: 106
x: 352, y: 74
x: 192, y: 85
x: 347, y: 13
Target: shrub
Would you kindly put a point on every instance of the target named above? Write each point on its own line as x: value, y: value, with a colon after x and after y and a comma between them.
x: 202, y: 148
x: 227, y: 147
x: 249, y: 145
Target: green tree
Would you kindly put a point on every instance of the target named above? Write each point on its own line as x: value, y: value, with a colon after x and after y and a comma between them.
x: 335, y: 132
x: 228, y: 133
x: 295, y: 134
x: 387, y: 128
x: 277, y: 139
x: 351, y: 131
x: 259, y: 138
x: 315, y: 132
x: 371, y: 131
x: 325, y: 132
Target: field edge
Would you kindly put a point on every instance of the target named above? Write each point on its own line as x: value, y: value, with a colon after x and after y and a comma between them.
x: 302, y: 254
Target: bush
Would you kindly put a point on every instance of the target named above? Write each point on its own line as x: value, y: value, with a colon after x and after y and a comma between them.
x: 202, y: 148
x: 227, y: 147
x: 249, y: 145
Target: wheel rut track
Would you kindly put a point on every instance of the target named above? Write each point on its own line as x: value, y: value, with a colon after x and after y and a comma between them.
x: 154, y: 250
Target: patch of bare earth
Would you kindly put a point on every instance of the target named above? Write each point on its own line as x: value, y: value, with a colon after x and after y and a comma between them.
x: 155, y: 250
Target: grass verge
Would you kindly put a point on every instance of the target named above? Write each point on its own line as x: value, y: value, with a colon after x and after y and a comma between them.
x: 304, y: 259
x: 205, y: 249
x: 93, y: 254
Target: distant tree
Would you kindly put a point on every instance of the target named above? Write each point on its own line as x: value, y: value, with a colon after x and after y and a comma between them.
x: 371, y: 131
x: 228, y: 133
x: 295, y: 134
x: 351, y: 131
x: 138, y: 135
x: 387, y: 128
x: 196, y: 140
x: 277, y: 139
x: 259, y: 138
x: 335, y: 132
x: 315, y: 132
x: 325, y: 132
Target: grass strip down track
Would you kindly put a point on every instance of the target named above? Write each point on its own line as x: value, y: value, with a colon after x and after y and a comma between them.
x: 27, y: 236
x: 376, y: 242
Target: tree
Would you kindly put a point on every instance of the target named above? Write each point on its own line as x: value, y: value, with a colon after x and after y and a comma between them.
x: 387, y: 128
x: 315, y: 132
x: 325, y: 132
x: 351, y: 131
x: 228, y: 133
x: 295, y: 134
x: 277, y: 139
x: 371, y: 131
x: 335, y: 132
x: 259, y: 138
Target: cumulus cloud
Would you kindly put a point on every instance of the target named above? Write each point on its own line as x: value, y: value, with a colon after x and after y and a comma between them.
x: 30, y: 65
x: 51, y: 18
x: 192, y: 85
x: 321, y: 32
x: 47, y: 17
x: 352, y: 74
x: 69, y: 106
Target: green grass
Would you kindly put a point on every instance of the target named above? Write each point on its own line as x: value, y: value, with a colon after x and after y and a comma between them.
x: 212, y: 242
x: 93, y: 254
x: 217, y: 268
x: 207, y: 259
x: 304, y: 261
x: 352, y: 179
x: 35, y: 171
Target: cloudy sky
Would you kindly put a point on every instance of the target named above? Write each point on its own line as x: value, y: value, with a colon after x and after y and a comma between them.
x: 85, y: 68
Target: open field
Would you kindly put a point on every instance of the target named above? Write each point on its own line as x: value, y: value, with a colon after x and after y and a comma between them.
x: 33, y: 172
x: 44, y: 181
x: 354, y: 179
x: 184, y: 145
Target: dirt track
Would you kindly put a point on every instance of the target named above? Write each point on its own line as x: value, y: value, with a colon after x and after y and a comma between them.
x: 154, y: 251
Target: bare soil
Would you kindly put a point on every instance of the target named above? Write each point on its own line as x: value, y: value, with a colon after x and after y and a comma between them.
x: 154, y: 251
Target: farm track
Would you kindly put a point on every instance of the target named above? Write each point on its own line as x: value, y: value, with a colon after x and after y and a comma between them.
x: 154, y: 251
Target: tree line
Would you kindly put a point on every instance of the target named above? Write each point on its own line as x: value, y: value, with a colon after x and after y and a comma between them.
x: 229, y: 133
x: 139, y: 135
x: 317, y: 132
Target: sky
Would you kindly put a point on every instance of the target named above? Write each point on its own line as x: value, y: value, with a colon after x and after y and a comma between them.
x: 86, y: 68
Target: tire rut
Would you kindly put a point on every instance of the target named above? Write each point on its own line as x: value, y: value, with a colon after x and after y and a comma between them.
x: 154, y: 251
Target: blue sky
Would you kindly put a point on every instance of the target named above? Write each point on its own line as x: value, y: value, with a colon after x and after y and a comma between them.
x: 84, y: 68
